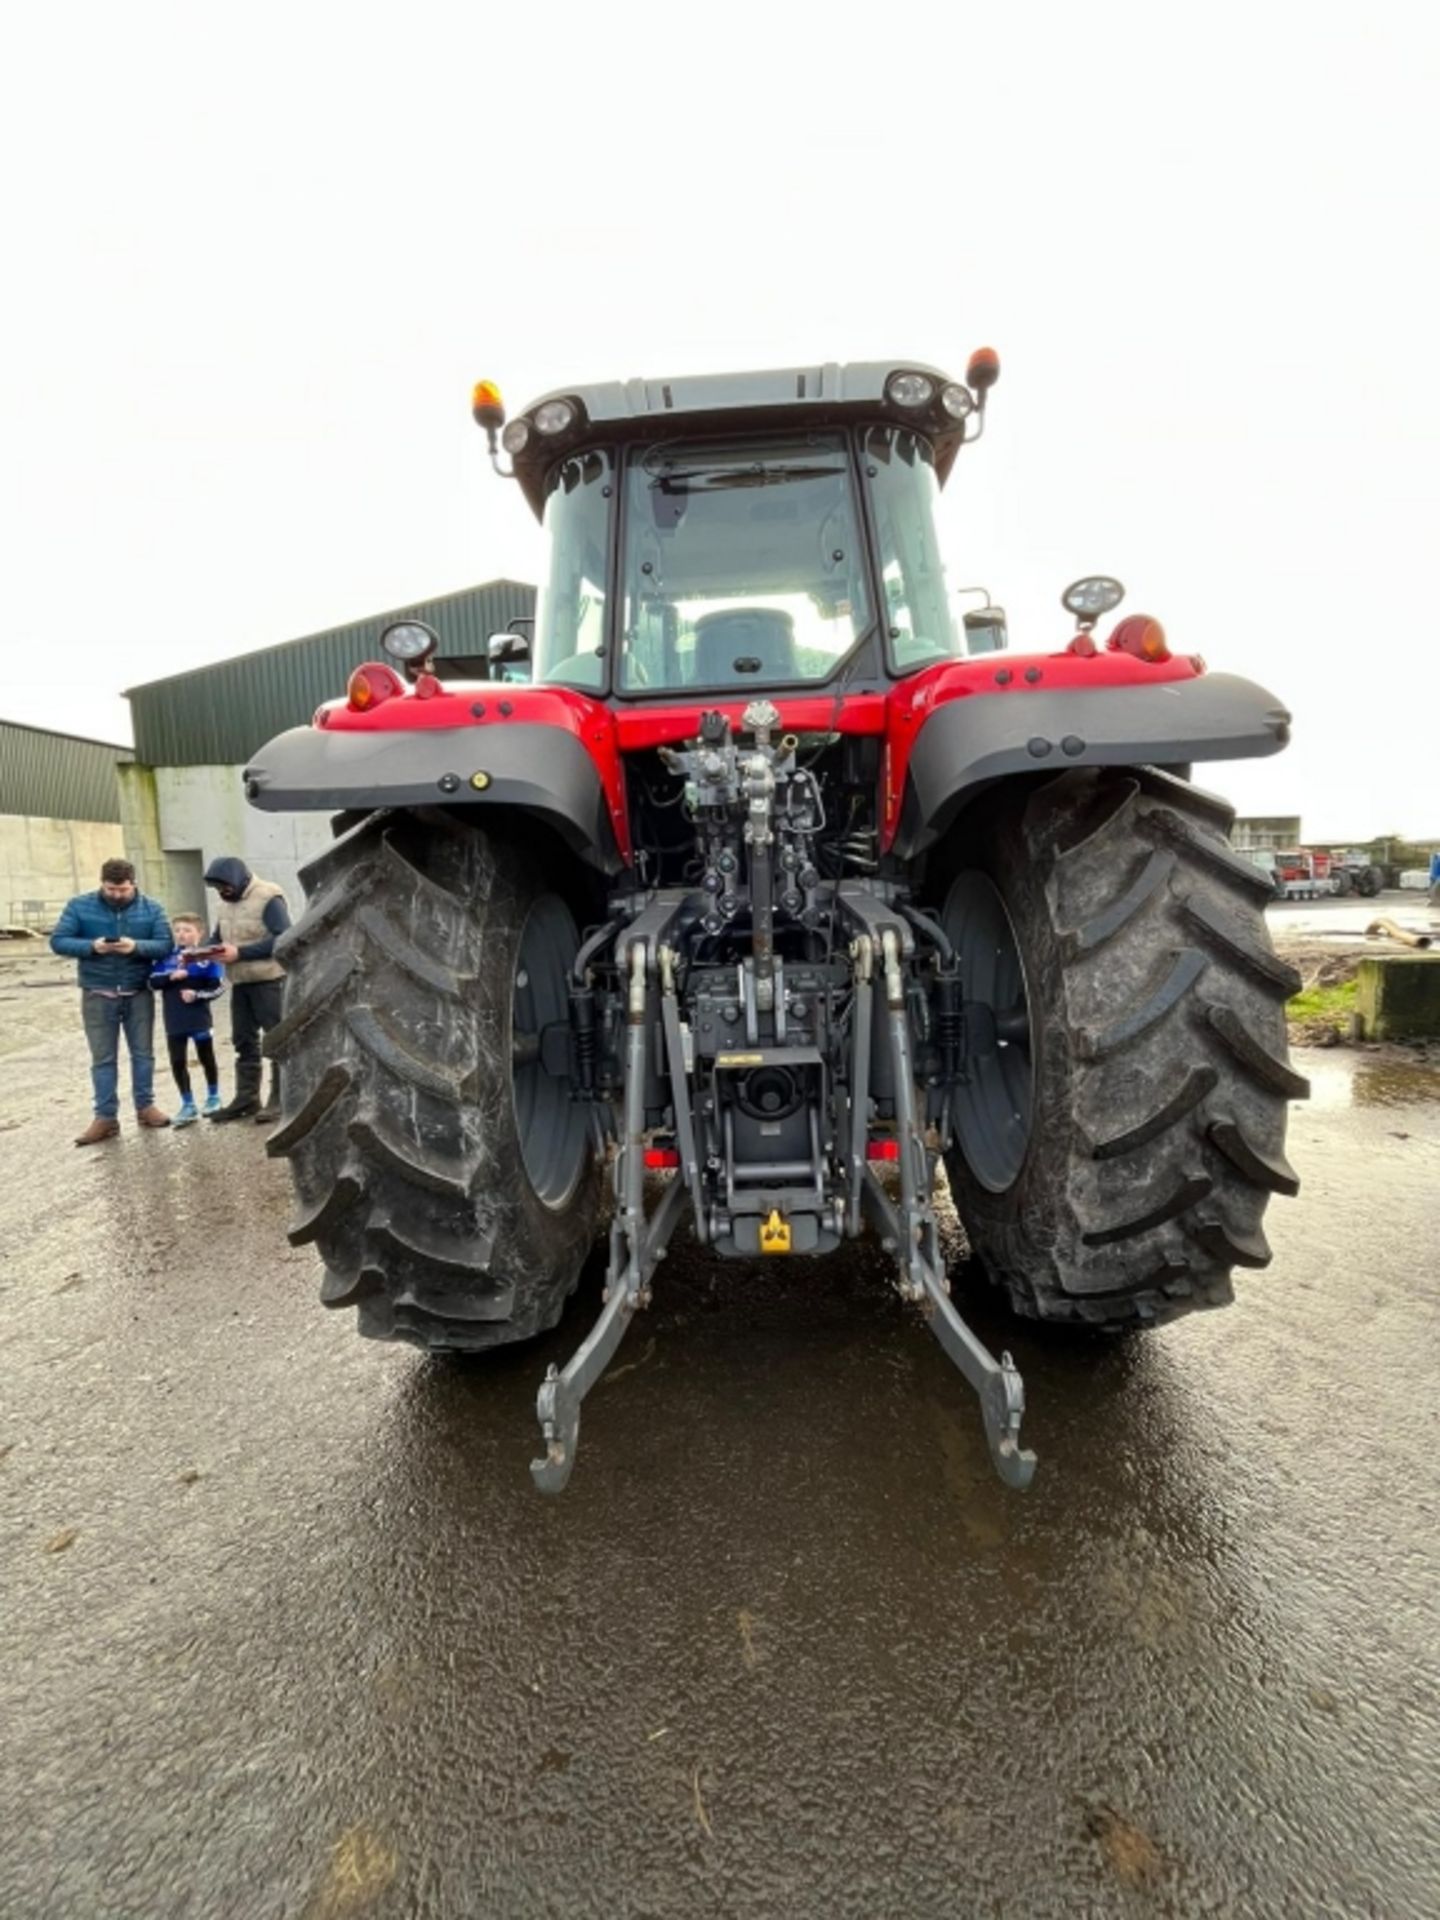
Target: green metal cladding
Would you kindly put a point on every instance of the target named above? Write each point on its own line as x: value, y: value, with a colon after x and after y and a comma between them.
x: 220, y: 715
x: 58, y: 776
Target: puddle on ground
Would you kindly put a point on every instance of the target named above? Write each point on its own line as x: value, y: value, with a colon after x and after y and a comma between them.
x: 1339, y: 1078
x: 1403, y: 1085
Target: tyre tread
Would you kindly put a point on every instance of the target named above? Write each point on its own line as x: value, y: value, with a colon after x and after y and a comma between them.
x: 1106, y: 924
x: 1163, y: 1081
x: 1198, y: 1082
x: 1170, y: 983
x: 1266, y: 1069
x: 403, y: 1149
x: 1232, y: 941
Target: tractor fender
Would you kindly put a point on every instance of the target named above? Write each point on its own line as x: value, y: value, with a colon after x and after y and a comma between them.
x: 537, y: 770
x: 968, y: 744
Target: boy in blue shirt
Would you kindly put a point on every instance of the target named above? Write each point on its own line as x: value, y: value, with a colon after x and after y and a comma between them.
x: 187, y: 985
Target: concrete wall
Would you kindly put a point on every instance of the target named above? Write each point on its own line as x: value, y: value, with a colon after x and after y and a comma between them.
x: 178, y: 819
x: 1399, y: 996
x: 50, y: 860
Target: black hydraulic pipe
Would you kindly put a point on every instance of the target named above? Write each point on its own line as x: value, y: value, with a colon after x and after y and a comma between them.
x: 932, y: 930
x: 762, y: 913
x: 589, y: 948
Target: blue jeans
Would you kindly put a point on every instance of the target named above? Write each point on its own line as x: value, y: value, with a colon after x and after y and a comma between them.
x: 104, y: 1020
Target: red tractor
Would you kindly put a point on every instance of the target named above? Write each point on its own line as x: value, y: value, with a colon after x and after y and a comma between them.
x: 763, y: 897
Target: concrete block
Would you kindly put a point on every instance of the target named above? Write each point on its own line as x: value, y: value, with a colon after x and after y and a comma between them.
x: 1399, y: 996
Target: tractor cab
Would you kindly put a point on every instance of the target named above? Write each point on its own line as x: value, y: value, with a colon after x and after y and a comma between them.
x: 732, y: 535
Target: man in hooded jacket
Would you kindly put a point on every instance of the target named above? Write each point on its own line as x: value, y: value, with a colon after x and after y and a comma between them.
x: 250, y: 918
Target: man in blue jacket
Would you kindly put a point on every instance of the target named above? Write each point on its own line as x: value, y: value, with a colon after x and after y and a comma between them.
x: 117, y: 935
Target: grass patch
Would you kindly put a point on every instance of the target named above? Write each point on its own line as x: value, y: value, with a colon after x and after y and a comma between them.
x: 1335, y: 1003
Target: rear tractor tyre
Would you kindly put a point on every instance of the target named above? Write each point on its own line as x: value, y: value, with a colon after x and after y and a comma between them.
x: 445, y: 1176
x: 1122, y: 1128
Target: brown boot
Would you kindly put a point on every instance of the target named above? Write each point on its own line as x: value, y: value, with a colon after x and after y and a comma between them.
x: 98, y: 1130
x: 152, y: 1117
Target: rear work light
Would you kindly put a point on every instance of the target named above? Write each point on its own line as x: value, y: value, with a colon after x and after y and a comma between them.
x: 909, y: 390
x: 372, y: 684
x: 555, y: 416
x: 1142, y: 636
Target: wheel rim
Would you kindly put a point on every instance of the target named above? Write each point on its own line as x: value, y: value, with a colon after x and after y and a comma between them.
x: 554, y: 1136
x: 993, y: 1105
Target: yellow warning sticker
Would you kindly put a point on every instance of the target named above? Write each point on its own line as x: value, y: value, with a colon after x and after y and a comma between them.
x: 775, y: 1234
x: 739, y: 1059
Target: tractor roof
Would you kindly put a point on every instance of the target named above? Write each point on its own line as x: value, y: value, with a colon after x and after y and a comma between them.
x: 705, y: 404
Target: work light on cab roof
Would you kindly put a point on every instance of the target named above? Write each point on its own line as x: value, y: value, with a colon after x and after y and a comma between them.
x: 751, y: 879
x: 410, y: 642
x: 1095, y: 594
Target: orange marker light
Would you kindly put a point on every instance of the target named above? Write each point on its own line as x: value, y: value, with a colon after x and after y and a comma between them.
x: 370, y: 685
x: 1141, y: 635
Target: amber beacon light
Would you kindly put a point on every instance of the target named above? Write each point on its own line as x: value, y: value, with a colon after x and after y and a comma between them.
x: 488, y: 409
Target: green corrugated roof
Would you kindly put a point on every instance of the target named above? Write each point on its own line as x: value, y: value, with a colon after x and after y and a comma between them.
x: 58, y: 776
x: 220, y: 715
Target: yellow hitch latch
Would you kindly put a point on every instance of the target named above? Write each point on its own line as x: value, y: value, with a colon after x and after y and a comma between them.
x: 775, y: 1234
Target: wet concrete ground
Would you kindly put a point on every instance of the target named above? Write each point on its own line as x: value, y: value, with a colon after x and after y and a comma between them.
x: 287, y: 1633
x: 1338, y: 917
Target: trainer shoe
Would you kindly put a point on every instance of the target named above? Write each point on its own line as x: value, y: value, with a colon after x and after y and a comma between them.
x: 189, y: 1113
x: 212, y: 1101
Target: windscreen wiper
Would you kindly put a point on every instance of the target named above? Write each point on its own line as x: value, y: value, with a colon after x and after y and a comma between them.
x: 706, y: 479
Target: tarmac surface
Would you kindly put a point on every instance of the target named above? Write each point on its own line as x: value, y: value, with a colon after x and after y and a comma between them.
x: 289, y: 1634
x: 1349, y: 917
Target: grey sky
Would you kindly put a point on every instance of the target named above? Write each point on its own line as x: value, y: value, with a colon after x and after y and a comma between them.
x: 256, y: 261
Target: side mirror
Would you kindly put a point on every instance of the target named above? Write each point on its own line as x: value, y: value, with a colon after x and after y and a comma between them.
x: 505, y: 649
x: 985, y: 630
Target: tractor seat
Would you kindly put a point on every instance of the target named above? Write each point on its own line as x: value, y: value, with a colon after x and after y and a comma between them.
x: 761, y: 634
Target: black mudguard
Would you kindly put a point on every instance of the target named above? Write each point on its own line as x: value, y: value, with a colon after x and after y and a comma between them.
x: 967, y: 745
x: 536, y: 770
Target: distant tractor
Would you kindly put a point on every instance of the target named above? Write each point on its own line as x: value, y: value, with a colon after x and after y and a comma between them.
x: 775, y: 903
x: 1312, y: 873
x: 1353, y: 871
